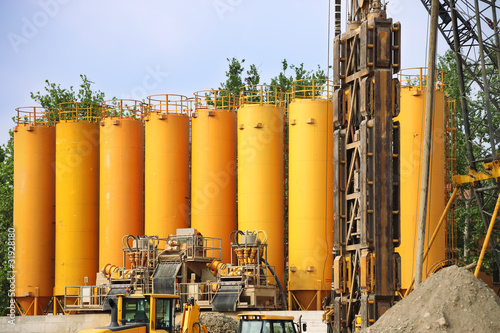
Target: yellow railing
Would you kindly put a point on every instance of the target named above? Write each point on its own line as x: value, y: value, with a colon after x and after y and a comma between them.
x: 123, y: 108
x: 78, y: 111
x: 214, y: 100
x: 261, y: 94
x: 35, y: 115
x: 168, y: 103
x: 312, y: 89
x: 416, y: 78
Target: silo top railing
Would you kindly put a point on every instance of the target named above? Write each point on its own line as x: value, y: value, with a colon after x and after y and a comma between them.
x: 168, y: 103
x: 35, y: 115
x: 261, y: 94
x: 415, y: 79
x: 123, y: 108
x: 312, y: 89
x: 78, y: 111
x: 214, y: 100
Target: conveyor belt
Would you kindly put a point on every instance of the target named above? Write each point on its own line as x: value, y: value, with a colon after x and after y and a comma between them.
x: 226, y: 297
x: 164, y: 277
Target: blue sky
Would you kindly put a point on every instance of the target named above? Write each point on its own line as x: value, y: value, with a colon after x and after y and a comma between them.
x: 132, y: 49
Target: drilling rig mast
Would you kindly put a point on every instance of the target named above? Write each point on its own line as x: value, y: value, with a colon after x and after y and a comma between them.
x: 366, y: 269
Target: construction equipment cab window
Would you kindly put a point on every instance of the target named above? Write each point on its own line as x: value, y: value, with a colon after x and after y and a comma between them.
x: 136, y: 310
x: 164, y: 315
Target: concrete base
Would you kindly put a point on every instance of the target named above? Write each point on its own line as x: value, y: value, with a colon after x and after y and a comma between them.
x: 76, y: 323
x: 53, y: 324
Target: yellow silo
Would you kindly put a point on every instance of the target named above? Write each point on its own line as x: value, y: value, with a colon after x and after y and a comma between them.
x: 167, y: 165
x: 213, y: 166
x: 77, y: 195
x: 121, y: 185
x: 412, y: 118
x: 34, y: 200
x: 260, y: 120
x: 310, y: 190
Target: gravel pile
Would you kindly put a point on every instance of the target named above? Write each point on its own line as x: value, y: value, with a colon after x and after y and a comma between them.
x: 451, y: 300
x: 218, y: 322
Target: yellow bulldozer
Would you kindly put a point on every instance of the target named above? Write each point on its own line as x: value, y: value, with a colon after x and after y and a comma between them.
x: 149, y: 313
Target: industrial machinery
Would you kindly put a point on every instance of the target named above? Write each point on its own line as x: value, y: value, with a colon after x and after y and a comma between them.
x: 253, y: 323
x: 366, y: 169
x: 140, y: 314
x: 249, y: 282
x: 169, y: 265
x: 188, y: 265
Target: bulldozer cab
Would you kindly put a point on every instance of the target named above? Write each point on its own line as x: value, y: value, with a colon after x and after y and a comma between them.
x: 251, y: 323
x: 156, y: 311
x: 140, y: 313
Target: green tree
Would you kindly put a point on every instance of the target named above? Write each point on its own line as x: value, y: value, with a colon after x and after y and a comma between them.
x: 467, y: 214
x: 234, y: 81
x: 6, y: 216
x: 54, y: 94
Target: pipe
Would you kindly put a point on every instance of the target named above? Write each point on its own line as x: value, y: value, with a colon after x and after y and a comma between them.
x: 426, y: 160
x: 436, y: 230
x: 487, y: 239
x: 282, y: 293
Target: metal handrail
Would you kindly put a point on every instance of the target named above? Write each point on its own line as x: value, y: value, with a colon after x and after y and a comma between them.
x: 261, y: 94
x: 214, y: 100
x: 409, y: 79
x: 168, y: 103
x: 35, y: 115
x: 312, y: 89
x: 123, y: 108
x: 75, y: 298
x: 78, y: 111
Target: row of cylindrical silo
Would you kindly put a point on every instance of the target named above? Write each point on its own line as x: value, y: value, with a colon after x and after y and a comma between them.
x: 124, y: 169
x: 97, y: 162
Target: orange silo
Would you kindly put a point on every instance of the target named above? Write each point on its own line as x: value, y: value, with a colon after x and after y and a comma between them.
x: 166, y: 171
x: 412, y: 118
x: 260, y: 121
x: 77, y: 195
x: 121, y: 181
x: 34, y: 200
x: 213, y: 166
x: 310, y: 193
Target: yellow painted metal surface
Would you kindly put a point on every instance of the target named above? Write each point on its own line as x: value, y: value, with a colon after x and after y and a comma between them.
x: 34, y: 200
x: 260, y: 170
x: 310, y: 190
x: 213, y: 167
x: 167, y: 187
x: 412, y: 120
x: 77, y: 195
x: 121, y: 183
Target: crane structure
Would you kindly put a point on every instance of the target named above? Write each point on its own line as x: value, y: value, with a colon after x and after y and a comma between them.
x: 366, y: 269
x: 470, y: 28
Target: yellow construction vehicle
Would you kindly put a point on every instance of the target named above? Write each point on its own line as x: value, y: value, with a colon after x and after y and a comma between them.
x: 149, y: 313
x: 190, y: 318
x: 257, y: 323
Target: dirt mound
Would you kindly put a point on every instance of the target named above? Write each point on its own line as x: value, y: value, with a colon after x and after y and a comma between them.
x: 218, y: 323
x: 452, y: 300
